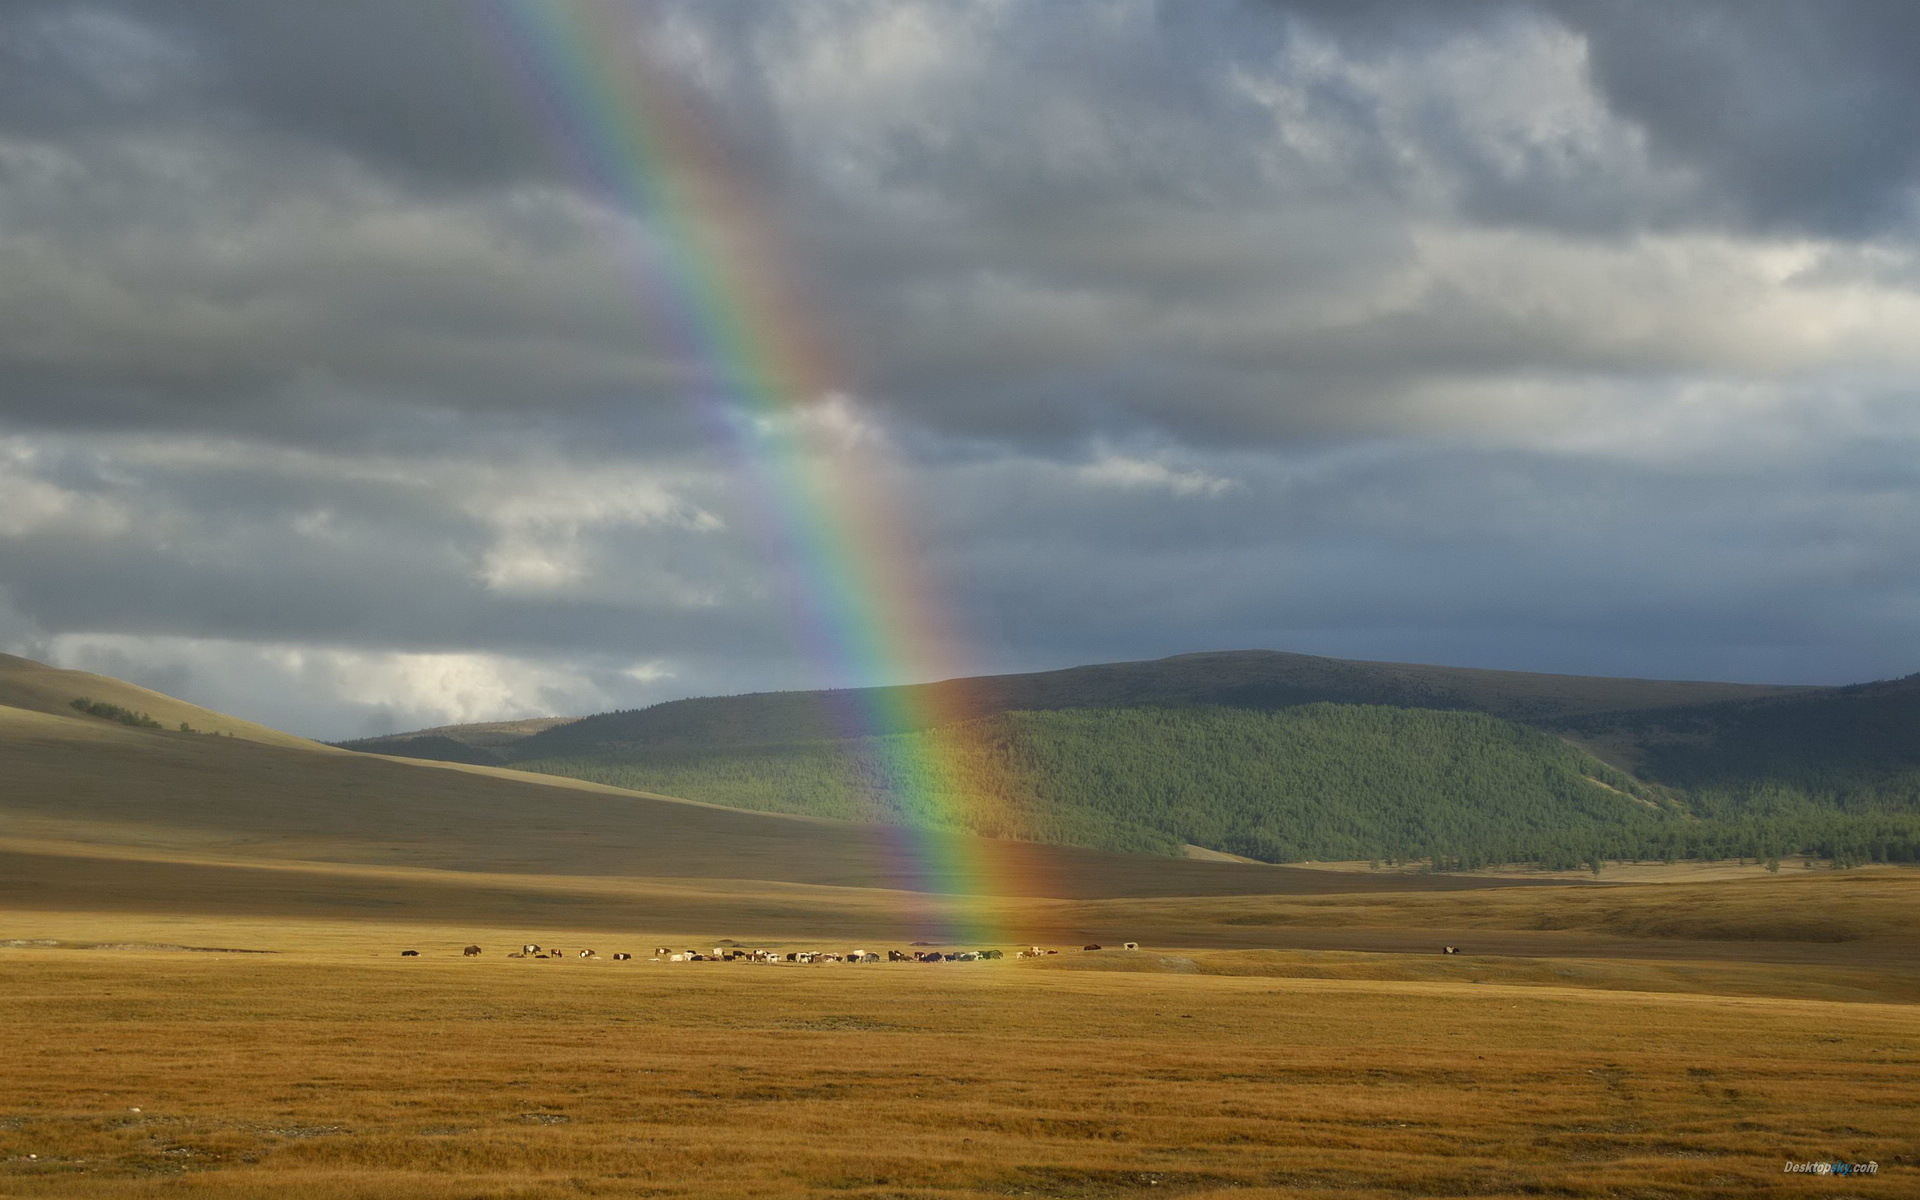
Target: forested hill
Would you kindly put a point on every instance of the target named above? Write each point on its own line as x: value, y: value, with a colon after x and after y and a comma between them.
x: 1250, y: 679
x: 1319, y: 781
x: 1854, y: 746
x: 1286, y: 756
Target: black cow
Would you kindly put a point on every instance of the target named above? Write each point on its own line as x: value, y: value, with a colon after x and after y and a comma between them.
x: 622, y: 957
x: 471, y: 952
x: 409, y: 954
x: 1450, y: 950
x: 1091, y: 946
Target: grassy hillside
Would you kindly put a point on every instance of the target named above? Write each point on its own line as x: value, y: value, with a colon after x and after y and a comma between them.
x: 1252, y: 679
x: 1852, y: 750
x: 1837, y: 741
x: 1744, y: 770
x: 36, y: 687
x: 434, y: 747
x: 479, y: 742
x: 69, y: 779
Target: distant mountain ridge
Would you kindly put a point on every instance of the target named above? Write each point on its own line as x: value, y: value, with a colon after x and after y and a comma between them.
x: 145, y: 806
x: 1264, y: 680
x: 1285, y: 757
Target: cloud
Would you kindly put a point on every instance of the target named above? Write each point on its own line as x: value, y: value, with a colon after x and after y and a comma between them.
x: 1119, y: 471
x: 356, y: 692
x: 1528, y: 334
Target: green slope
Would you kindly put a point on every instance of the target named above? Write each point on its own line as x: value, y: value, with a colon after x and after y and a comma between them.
x: 1286, y: 756
x: 1319, y: 781
x: 1852, y: 750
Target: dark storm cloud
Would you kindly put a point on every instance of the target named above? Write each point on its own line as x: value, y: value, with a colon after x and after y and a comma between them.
x: 1572, y: 336
x: 1021, y: 222
x: 417, y: 88
x: 1802, y: 116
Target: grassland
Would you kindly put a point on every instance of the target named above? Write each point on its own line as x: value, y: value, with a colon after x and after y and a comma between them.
x: 1284, y: 1031
x: 344, y: 1071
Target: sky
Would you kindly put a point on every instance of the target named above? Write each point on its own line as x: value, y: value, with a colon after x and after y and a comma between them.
x: 1556, y: 336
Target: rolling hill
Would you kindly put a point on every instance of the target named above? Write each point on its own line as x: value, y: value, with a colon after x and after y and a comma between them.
x: 1319, y: 781
x: 1263, y: 680
x: 35, y: 687
x: 96, y: 786
x: 1856, y: 747
x: 1251, y: 679
x: 1285, y: 756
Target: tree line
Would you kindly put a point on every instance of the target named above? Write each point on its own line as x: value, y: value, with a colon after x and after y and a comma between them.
x: 1456, y: 790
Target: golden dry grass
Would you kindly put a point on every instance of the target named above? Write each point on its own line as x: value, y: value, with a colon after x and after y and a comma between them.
x: 1284, y: 1032
x: 28, y: 686
x: 1663, y: 1066
x: 331, y: 1073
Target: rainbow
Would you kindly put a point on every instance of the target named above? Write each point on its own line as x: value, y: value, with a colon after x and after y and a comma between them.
x: 763, y: 377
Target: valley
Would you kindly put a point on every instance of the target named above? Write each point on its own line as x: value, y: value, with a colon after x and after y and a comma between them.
x: 202, y: 936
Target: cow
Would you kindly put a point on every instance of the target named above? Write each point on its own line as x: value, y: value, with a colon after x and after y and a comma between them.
x: 622, y: 957
x: 1449, y: 949
x: 587, y: 954
x: 409, y: 954
x: 1129, y: 945
x: 1091, y: 946
x: 471, y: 952
x: 529, y: 948
x: 898, y: 956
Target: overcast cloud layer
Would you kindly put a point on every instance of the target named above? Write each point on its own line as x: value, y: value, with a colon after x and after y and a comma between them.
x: 1553, y: 336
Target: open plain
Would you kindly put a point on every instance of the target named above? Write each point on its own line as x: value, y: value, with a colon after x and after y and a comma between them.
x: 329, y: 1066
x: 204, y: 994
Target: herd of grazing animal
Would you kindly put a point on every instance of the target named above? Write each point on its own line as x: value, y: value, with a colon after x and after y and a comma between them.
x: 739, y: 954
x: 735, y: 954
